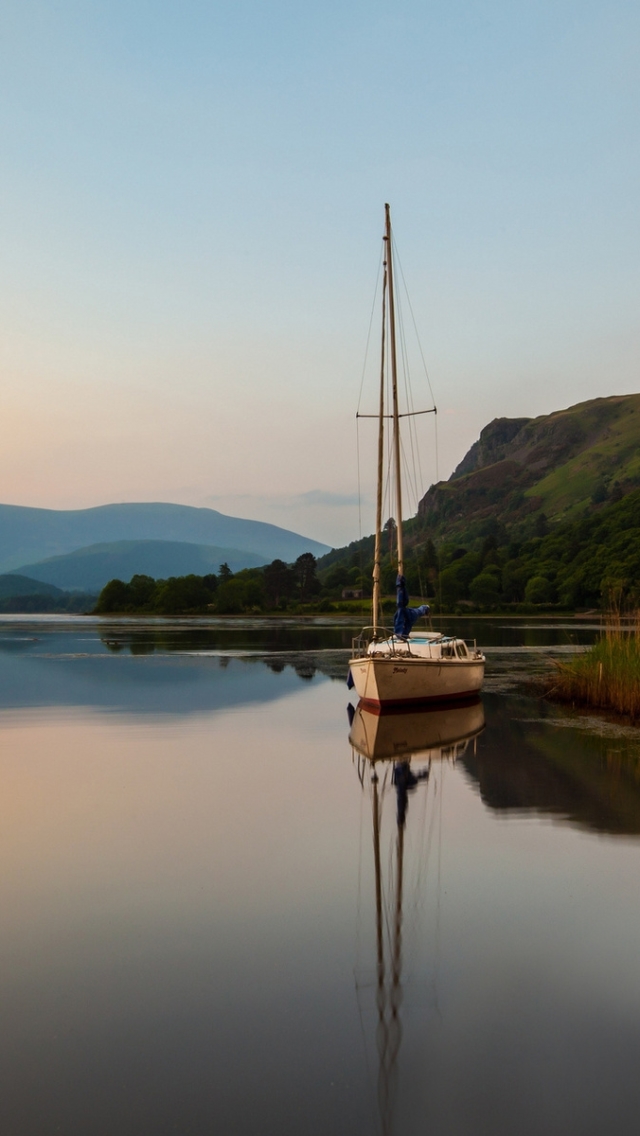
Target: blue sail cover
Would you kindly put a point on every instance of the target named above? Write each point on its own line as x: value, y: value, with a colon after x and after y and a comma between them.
x: 405, y: 616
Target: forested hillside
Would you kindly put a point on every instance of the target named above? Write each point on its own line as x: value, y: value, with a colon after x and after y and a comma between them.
x: 540, y: 511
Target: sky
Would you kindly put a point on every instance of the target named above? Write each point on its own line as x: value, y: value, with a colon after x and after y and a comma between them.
x: 191, y: 207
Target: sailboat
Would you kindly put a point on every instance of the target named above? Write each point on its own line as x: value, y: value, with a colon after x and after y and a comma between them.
x: 405, y: 666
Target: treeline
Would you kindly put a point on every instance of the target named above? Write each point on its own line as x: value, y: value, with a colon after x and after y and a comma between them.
x: 74, y: 603
x: 276, y: 587
x: 584, y: 563
x: 589, y: 562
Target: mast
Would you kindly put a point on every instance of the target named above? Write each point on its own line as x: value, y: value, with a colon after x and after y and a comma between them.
x: 376, y: 551
x: 394, y: 386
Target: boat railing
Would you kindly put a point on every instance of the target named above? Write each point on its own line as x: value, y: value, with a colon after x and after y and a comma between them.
x: 360, y: 643
x: 395, y: 645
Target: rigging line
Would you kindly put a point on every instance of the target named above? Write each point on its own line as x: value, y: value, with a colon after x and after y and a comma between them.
x: 436, y: 970
x: 359, y: 891
x: 367, y: 1063
x: 422, y: 842
x: 373, y: 309
x: 412, y: 447
x: 415, y: 912
x: 415, y: 326
x: 408, y: 390
x: 411, y: 484
x: 413, y: 434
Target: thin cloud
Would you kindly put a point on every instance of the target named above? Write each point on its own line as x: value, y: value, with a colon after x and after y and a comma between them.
x: 313, y: 498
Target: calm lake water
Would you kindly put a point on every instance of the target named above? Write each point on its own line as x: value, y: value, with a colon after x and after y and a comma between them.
x: 231, y: 907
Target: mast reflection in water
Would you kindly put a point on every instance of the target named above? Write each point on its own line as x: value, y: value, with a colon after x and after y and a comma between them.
x: 397, y: 755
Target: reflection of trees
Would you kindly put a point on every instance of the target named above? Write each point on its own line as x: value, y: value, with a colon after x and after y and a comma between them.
x: 562, y: 772
x: 267, y: 636
x: 281, y: 646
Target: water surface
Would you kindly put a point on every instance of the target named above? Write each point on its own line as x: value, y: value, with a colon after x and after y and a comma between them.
x: 222, y: 915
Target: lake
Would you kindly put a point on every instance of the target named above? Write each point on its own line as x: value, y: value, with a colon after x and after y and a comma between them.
x: 232, y: 905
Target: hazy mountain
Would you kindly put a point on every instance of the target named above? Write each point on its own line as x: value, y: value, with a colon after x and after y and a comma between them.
x: 32, y: 535
x: 89, y: 569
x: 15, y: 585
x: 24, y: 594
x: 565, y: 465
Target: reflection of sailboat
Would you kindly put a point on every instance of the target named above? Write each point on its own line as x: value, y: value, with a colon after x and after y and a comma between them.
x: 394, y: 740
x: 406, y: 666
x: 434, y: 734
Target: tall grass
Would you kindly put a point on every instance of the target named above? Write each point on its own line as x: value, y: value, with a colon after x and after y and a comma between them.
x: 607, y: 677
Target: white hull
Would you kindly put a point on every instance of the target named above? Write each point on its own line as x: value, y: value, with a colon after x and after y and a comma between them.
x: 396, y: 680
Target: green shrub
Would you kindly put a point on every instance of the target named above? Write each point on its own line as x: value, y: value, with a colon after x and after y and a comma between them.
x: 539, y: 590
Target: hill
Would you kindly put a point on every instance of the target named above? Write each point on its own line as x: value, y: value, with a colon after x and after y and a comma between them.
x: 563, y: 465
x: 30, y: 536
x: 89, y: 569
x: 24, y: 594
x: 540, y: 511
x: 15, y: 585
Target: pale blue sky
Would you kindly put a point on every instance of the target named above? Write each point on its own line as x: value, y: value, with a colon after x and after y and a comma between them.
x: 191, y: 202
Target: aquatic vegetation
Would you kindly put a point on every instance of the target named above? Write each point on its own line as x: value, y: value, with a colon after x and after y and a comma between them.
x: 606, y: 677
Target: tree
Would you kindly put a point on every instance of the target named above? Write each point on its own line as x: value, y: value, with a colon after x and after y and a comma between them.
x: 224, y: 572
x: 514, y: 580
x: 181, y: 594
x: 484, y: 589
x: 305, y: 570
x: 449, y: 587
x: 279, y: 581
x: 245, y: 592
x: 538, y: 590
x: 113, y: 597
x: 141, y: 590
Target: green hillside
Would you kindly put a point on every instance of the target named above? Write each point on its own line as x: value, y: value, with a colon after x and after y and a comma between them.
x: 563, y: 465
x: 540, y: 511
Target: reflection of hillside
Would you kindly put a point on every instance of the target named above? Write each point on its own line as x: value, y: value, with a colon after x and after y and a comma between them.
x: 144, y: 684
x: 530, y: 766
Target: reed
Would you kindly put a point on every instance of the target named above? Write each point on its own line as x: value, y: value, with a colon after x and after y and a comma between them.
x: 607, y: 677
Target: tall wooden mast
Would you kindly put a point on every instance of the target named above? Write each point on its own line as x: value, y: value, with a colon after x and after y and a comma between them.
x: 394, y: 387
x: 376, y: 551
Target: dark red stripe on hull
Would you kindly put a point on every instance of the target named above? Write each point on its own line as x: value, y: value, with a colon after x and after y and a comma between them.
x: 467, y: 698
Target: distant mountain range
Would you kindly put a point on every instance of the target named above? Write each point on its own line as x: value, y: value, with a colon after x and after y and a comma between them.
x: 89, y: 569
x: 94, y: 540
